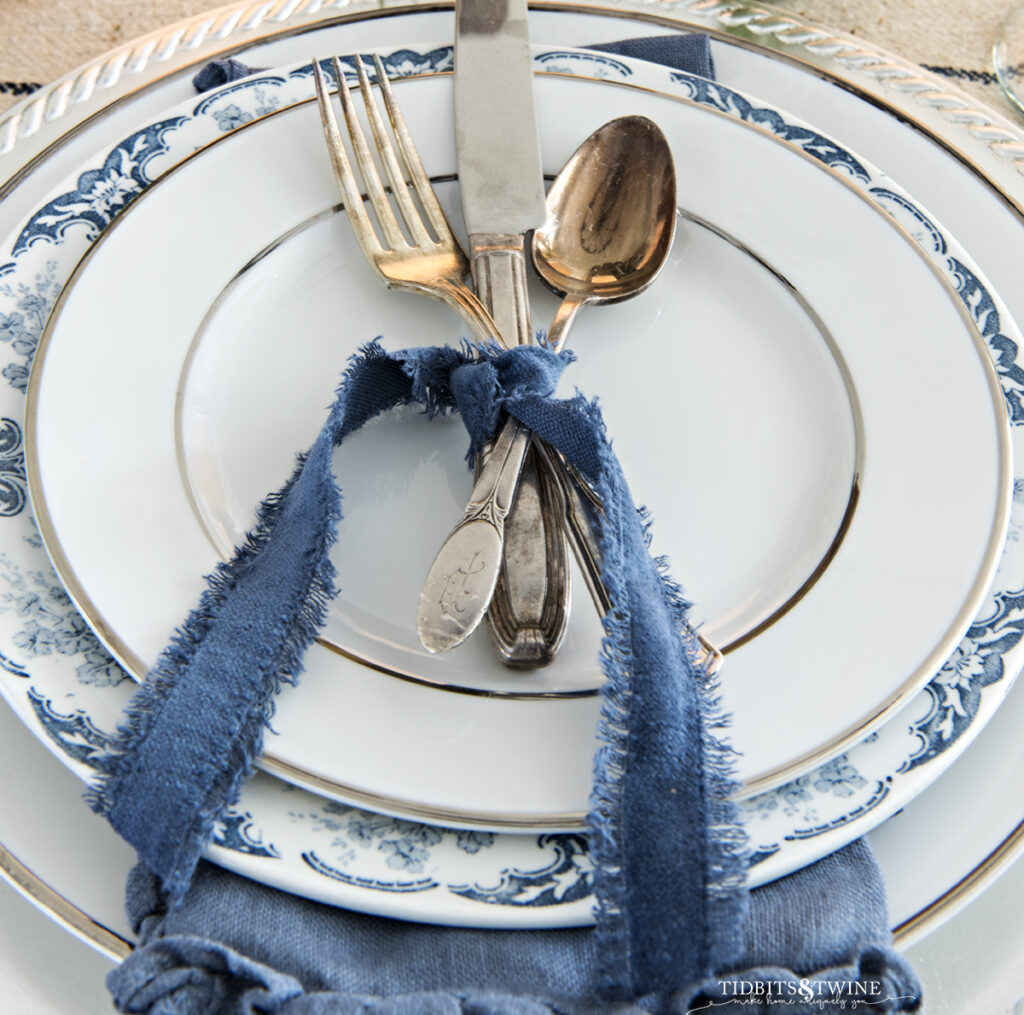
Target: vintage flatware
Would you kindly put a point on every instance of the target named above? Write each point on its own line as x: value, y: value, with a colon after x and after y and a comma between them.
x: 609, y: 223
x: 502, y: 188
x: 435, y: 267
x: 462, y: 580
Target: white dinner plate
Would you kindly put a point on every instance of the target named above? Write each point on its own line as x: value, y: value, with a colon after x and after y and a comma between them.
x: 814, y: 541
x: 949, y: 157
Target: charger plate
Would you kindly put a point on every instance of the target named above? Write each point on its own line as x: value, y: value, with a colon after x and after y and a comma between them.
x: 532, y: 879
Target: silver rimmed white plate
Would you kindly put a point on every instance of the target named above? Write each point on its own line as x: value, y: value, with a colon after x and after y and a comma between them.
x: 801, y: 546
x: 807, y: 818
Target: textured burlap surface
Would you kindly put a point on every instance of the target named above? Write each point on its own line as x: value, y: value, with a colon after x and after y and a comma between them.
x: 41, y: 40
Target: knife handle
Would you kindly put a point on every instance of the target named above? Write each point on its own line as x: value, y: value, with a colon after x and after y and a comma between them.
x: 498, y: 263
x: 529, y: 610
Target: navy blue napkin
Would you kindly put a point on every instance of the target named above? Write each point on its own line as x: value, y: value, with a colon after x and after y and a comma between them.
x: 676, y: 928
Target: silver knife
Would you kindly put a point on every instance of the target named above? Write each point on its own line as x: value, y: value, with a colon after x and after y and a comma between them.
x: 502, y: 186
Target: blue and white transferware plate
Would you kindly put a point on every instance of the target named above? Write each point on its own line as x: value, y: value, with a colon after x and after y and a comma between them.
x: 814, y: 524
x: 57, y: 677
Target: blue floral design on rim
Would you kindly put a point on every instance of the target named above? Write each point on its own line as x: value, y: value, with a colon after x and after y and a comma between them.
x: 101, y: 194
x: 568, y: 877
x: 976, y: 664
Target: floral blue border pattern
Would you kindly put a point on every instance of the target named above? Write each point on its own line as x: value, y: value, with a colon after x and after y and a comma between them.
x: 101, y: 194
x: 50, y: 625
x: 825, y: 150
x: 979, y: 302
x: 956, y: 691
x: 23, y: 328
x: 598, y: 65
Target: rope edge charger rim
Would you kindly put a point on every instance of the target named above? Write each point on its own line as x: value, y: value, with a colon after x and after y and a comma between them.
x: 230, y: 27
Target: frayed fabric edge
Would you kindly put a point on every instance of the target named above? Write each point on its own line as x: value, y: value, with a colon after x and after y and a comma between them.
x: 725, y: 846
x: 116, y: 766
x: 373, y: 382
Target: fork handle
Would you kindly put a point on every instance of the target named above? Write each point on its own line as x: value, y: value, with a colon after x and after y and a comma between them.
x: 529, y: 610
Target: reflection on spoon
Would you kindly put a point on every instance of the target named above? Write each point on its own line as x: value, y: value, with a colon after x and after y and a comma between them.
x: 611, y: 218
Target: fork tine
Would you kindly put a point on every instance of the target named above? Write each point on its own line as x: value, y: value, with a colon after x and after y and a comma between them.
x: 396, y: 177
x: 367, y: 167
x: 410, y: 157
x: 340, y: 163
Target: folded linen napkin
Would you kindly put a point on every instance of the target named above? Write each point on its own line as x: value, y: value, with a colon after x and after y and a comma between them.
x: 234, y: 946
x: 673, y: 915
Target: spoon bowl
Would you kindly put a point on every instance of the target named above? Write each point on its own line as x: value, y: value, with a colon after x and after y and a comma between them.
x: 611, y: 217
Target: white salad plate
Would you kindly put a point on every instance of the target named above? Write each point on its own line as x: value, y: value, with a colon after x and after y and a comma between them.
x: 71, y: 693
x: 814, y: 542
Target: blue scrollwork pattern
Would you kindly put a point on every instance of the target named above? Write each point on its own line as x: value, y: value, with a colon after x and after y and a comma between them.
x: 956, y: 691
x: 12, y: 469
x: 79, y: 738
x: 378, y: 884
x: 74, y: 733
x: 100, y: 194
x: 237, y: 832
x: 715, y: 96
x: 566, y: 879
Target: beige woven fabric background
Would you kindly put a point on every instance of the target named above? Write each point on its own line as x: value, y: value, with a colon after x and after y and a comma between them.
x: 41, y: 40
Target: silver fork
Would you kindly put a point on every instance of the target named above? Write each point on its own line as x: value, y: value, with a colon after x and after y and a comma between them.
x: 423, y: 264
x: 462, y: 579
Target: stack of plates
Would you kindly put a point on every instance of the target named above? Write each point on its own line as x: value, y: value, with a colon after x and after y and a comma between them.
x: 820, y: 400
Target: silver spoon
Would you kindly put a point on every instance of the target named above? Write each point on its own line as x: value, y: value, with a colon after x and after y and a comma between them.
x: 610, y: 221
x: 611, y: 216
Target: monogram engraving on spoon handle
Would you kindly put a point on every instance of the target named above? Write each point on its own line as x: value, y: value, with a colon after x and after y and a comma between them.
x: 461, y: 580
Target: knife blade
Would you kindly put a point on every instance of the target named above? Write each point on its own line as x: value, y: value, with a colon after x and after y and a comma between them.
x: 502, y: 187
x: 496, y: 136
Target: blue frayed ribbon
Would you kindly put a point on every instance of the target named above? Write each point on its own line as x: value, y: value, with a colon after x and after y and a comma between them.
x: 669, y: 906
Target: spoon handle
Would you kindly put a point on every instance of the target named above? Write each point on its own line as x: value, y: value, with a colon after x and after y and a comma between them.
x: 461, y: 580
x: 562, y: 321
